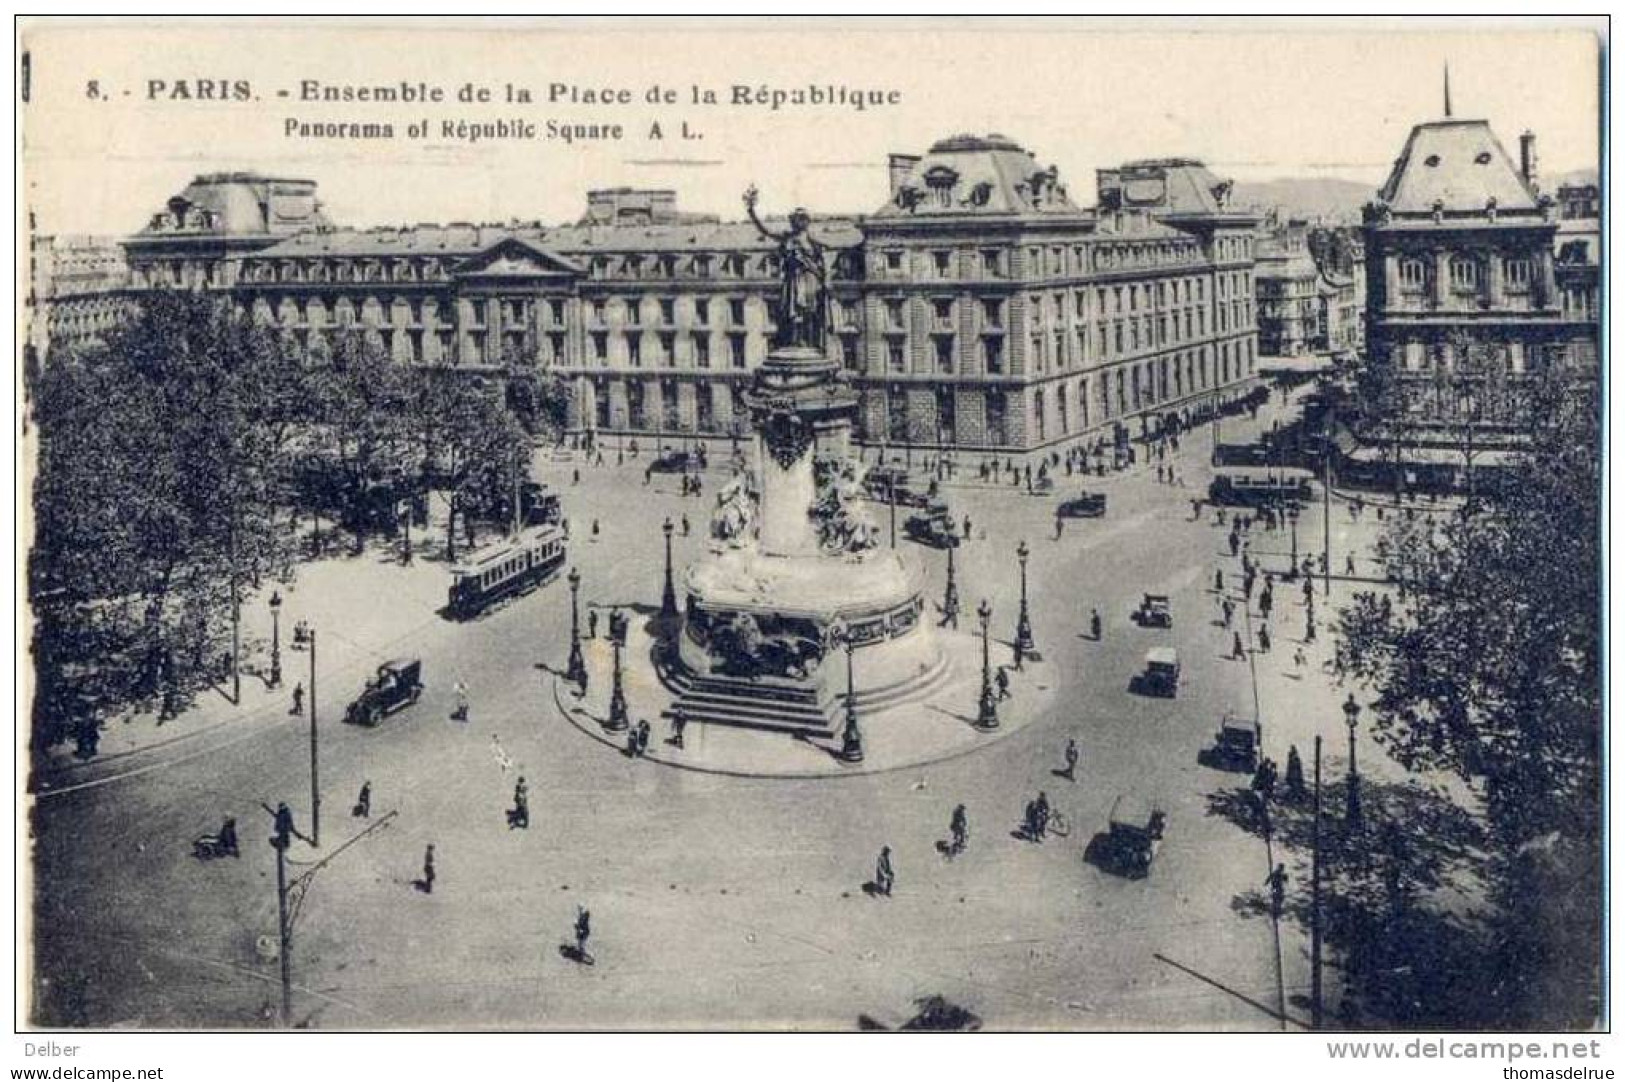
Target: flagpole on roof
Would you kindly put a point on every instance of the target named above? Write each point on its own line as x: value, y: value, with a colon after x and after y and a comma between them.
x: 1447, y: 90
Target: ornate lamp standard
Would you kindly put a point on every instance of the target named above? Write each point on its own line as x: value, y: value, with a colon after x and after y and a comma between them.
x: 1351, y: 812
x: 276, y: 639
x: 1024, y: 626
x: 950, y: 593
x: 1292, y: 517
x: 668, y: 594
x: 987, y: 710
x: 576, y: 670
x: 851, y: 738
x: 617, y: 722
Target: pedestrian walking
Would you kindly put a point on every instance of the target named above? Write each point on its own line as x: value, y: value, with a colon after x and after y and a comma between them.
x: 1094, y: 624
x: 1218, y: 581
x: 884, y: 876
x: 583, y: 929
x: 592, y: 623
x: 686, y: 526
x: 1235, y: 544
x: 1295, y: 789
x: 595, y: 529
x: 459, y: 710
x: 643, y: 737
x: 1060, y: 524
x: 1236, y: 652
x: 1348, y: 565
x: 520, y: 815
x: 1229, y: 610
x: 1071, y: 757
x: 363, y: 802
x: 1298, y: 659
x: 575, y: 476
x: 1309, y: 629
x: 1003, y: 681
x: 966, y: 534
x: 1263, y: 638
x: 428, y: 870
x: 298, y: 699
x: 1276, y: 881
x: 679, y: 721
x: 958, y: 828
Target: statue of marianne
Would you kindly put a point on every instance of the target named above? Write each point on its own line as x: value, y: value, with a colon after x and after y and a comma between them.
x: 803, y: 312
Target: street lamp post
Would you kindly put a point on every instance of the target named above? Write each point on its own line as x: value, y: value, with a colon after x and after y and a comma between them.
x: 1292, y: 517
x: 617, y: 695
x: 987, y: 710
x: 1351, y: 717
x: 668, y: 593
x: 315, y: 786
x: 950, y: 593
x: 851, y: 736
x: 276, y: 639
x: 575, y: 670
x: 1024, y: 627
x: 891, y: 500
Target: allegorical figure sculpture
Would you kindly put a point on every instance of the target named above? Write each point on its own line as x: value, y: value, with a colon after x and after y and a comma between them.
x: 803, y: 309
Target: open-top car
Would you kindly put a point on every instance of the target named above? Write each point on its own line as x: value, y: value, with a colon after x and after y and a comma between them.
x: 1154, y: 611
x: 1160, y: 677
x: 397, y: 685
x: 933, y: 526
x: 887, y: 483
x: 1235, y: 745
x: 1133, y: 834
x: 1085, y: 505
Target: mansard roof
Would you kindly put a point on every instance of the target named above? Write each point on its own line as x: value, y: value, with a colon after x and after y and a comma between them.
x: 977, y: 175
x: 1457, y: 166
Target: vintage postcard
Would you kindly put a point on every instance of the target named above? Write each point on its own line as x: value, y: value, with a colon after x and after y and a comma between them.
x: 807, y: 525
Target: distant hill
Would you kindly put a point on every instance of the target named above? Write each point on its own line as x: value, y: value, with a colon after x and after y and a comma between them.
x: 1306, y: 197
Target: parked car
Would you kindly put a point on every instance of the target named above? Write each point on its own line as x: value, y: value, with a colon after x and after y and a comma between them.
x: 1085, y: 505
x: 1154, y: 611
x: 674, y: 462
x: 1160, y: 676
x: 397, y: 685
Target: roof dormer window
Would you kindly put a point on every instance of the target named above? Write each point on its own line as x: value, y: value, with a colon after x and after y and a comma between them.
x: 1432, y: 160
x: 1483, y: 157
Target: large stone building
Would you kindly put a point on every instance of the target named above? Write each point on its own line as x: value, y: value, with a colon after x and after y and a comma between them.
x: 980, y: 307
x: 1289, y: 282
x: 1463, y: 303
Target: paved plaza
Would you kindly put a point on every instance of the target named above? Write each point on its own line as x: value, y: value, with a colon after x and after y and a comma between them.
x: 726, y: 883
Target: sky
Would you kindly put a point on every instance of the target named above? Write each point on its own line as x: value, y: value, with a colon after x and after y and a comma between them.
x: 1254, y: 101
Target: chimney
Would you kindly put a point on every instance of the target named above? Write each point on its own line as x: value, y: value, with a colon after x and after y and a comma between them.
x: 1526, y: 155
x: 899, y: 166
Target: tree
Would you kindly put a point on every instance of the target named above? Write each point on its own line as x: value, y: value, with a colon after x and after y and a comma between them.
x: 1488, y: 667
x: 158, y: 484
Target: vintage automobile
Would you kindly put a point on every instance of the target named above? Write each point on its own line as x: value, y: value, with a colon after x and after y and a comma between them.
x: 1085, y: 505
x: 886, y: 483
x: 933, y: 526
x: 1160, y: 677
x: 397, y: 685
x: 1133, y: 834
x: 1154, y: 611
x: 1235, y: 745
x: 674, y: 462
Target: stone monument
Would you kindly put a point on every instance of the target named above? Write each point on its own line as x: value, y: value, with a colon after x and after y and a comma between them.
x: 794, y: 559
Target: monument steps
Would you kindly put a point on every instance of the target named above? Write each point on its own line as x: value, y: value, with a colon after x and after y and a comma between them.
x: 792, y: 709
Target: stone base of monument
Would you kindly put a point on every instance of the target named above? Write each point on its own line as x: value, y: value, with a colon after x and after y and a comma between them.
x: 920, y: 726
x: 788, y: 675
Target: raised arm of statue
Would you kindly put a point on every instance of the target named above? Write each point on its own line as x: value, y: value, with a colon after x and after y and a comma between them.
x: 751, y: 195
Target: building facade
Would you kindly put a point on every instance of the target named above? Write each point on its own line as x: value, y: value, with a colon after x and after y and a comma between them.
x: 1463, y: 302
x: 1290, y: 310
x: 979, y: 308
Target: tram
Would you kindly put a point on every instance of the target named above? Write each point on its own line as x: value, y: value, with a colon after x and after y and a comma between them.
x: 515, y: 566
